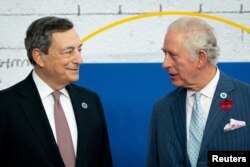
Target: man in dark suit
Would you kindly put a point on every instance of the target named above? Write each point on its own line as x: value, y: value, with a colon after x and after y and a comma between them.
x: 184, y: 129
x: 29, y: 133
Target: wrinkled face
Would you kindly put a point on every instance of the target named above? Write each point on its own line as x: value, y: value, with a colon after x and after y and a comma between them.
x: 61, y: 65
x: 181, y: 67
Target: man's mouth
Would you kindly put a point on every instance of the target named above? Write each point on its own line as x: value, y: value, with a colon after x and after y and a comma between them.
x: 173, y: 76
x: 73, y: 69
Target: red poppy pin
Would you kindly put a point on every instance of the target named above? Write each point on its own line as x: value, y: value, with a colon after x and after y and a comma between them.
x: 226, y: 104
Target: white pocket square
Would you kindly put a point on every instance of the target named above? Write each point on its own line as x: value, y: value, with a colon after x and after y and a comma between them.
x: 234, y: 124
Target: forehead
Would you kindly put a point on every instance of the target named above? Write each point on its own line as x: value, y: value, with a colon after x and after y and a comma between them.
x: 173, y: 40
x: 69, y: 37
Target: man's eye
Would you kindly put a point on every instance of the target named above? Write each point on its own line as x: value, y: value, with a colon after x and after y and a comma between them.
x: 172, y: 55
x: 67, y: 52
x: 169, y: 54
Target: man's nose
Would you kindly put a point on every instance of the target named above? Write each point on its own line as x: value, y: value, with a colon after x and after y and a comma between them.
x: 77, y: 58
x: 167, y: 62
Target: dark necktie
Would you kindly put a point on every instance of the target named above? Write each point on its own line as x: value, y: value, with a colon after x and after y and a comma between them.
x: 64, y: 140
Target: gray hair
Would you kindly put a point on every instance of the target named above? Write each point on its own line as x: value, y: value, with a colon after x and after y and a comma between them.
x: 39, y: 34
x: 199, y: 36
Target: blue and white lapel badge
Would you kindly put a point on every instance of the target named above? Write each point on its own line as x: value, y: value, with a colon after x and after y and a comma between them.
x: 223, y: 95
x: 84, y: 105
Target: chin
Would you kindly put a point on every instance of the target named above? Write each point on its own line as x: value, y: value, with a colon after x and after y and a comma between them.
x: 177, y: 84
x: 74, y: 79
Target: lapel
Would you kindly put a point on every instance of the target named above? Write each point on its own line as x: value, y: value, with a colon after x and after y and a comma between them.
x: 178, y: 111
x: 78, y: 98
x: 34, y: 111
x: 216, y: 114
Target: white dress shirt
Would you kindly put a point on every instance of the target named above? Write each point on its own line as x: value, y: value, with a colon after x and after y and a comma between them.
x: 207, y: 94
x: 48, y: 103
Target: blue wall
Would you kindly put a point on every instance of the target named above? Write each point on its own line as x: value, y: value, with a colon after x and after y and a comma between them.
x: 128, y: 92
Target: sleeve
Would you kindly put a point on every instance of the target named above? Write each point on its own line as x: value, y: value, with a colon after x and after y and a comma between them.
x: 105, y: 153
x: 152, y: 154
x: 2, y: 131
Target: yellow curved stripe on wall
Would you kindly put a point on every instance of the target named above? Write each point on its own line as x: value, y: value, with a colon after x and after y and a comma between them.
x: 153, y: 14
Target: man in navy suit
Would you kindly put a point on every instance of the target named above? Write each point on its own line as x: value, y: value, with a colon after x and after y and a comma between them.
x: 191, y: 52
x: 28, y: 134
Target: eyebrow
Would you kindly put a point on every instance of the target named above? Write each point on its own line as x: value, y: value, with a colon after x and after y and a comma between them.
x: 71, y: 47
x: 164, y: 50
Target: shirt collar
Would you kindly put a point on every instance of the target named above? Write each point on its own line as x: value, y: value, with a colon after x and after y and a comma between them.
x: 211, y: 86
x: 43, y: 88
x: 209, y: 89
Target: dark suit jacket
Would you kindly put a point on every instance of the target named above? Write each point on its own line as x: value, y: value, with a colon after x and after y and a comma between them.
x: 167, y: 143
x: 26, y: 138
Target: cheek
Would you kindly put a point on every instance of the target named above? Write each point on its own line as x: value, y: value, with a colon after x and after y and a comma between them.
x: 180, y: 67
x: 184, y: 70
x: 58, y: 68
x: 65, y: 62
x: 61, y: 63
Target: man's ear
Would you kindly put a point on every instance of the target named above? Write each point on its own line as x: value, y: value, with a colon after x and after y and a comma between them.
x: 202, y: 59
x: 37, y: 56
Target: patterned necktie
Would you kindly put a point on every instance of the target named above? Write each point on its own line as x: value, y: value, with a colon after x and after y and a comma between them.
x: 64, y: 140
x: 195, y: 131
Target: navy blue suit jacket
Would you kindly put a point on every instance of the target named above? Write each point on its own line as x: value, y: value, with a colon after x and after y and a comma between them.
x: 167, y: 138
x: 26, y: 138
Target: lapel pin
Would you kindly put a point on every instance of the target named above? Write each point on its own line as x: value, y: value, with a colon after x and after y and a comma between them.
x: 223, y: 95
x: 84, y: 105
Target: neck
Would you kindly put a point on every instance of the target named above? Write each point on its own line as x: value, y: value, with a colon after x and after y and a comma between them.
x: 48, y: 80
x: 206, y: 74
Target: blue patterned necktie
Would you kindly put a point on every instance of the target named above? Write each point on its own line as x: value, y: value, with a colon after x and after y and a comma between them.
x: 195, y: 131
